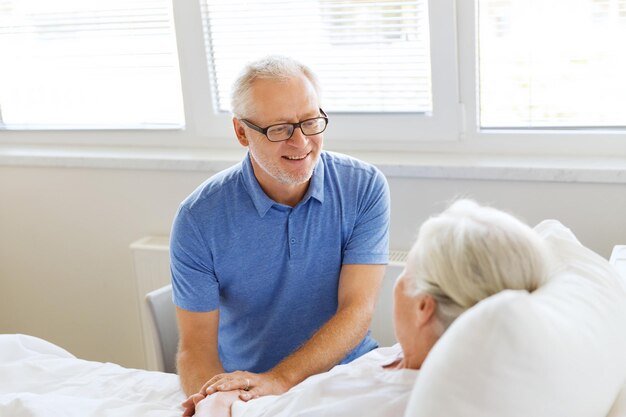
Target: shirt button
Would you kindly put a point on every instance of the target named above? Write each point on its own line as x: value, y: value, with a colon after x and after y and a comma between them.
x: 293, y: 241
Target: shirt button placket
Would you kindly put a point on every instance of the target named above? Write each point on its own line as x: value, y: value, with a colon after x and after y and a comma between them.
x: 292, y: 238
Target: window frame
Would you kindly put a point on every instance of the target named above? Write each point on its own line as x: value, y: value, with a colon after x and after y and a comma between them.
x: 453, y: 128
x: 554, y: 141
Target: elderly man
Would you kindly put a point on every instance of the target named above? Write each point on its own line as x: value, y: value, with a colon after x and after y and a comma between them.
x: 277, y: 261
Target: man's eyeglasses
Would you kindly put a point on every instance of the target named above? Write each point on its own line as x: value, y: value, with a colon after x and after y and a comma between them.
x: 284, y: 131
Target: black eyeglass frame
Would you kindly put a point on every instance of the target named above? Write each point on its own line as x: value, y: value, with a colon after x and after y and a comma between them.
x: 264, y: 130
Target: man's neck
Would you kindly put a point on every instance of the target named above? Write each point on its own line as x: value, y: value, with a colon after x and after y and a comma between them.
x: 287, y: 194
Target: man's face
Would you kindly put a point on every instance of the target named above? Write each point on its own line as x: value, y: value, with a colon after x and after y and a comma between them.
x: 290, y: 162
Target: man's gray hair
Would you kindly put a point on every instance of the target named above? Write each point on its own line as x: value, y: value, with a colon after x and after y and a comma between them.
x: 470, y: 252
x: 274, y: 67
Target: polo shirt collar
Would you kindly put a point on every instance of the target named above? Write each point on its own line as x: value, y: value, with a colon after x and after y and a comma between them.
x: 263, y: 203
x: 316, y: 186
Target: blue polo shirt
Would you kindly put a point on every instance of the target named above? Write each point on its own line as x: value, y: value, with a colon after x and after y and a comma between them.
x: 273, y: 270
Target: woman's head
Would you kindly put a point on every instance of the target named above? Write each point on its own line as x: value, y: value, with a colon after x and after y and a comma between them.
x: 461, y: 257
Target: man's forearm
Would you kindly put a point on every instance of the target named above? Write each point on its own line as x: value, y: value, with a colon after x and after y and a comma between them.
x: 195, y: 369
x: 328, y: 346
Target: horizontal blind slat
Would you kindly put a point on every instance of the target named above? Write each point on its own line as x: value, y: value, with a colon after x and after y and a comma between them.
x: 385, y: 43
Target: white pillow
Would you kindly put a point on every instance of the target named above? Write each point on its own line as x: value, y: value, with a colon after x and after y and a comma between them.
x: 619, y: 408
x: 560, y: 351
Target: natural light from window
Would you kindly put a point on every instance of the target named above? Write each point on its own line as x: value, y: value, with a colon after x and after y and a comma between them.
x: 88, y: 64
x: 371, y: 55
x: 552, y: 63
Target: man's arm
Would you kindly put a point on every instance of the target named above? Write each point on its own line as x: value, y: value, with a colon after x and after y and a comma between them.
x: 358, y: 290
x: 198, y: 359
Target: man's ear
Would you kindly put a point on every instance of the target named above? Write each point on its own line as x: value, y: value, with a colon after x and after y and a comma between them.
x: 240, y: 132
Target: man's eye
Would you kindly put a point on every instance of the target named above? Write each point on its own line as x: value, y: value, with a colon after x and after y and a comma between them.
x: 279, y: 129
x: 310, y: 124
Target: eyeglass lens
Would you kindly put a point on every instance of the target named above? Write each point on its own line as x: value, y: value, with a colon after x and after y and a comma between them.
x: 309, y: 127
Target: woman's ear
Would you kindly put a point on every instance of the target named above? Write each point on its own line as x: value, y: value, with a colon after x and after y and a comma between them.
x: 240, y: 132
x: 426, y: 308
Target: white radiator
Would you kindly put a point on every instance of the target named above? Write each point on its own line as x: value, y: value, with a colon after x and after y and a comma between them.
x: 382, y: 321
x: 152, y: 271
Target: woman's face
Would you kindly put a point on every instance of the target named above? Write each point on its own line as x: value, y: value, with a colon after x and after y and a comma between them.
x: 405, y: 315
x: 414, y: 323
x: 404, y: 310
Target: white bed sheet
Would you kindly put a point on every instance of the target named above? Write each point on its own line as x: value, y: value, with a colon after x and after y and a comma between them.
x: 360, y: 388
x: 38, y: 379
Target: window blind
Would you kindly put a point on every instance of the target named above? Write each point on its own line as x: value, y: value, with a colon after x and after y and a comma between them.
x: 88, y: 64
x: 552, y: 63
x: 370, y: 56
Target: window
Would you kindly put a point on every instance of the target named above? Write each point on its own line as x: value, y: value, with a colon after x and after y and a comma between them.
x: 70, y: 64
x: 383, y: 84
x: 440, y: 76
x: 371, y: 56
x: 552, y: 63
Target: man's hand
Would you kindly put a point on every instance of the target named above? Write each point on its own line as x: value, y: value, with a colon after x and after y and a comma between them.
x: 245, y: 385
x: 252, y: 385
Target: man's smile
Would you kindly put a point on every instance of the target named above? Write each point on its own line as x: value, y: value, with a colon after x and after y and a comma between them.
x: 296, y: 157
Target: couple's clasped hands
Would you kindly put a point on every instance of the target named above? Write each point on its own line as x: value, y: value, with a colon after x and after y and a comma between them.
x: 239, y: 385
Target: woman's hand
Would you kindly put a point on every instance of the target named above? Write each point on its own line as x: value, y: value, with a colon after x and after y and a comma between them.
x: 240, y: 385
x: 217, y: 405
x: 190, y: 404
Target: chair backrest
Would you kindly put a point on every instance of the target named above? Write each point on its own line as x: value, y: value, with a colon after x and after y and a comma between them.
x: 165, y: 330
x: 163, y: 315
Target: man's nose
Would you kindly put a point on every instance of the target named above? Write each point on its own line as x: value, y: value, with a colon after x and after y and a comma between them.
x: 298, y: 138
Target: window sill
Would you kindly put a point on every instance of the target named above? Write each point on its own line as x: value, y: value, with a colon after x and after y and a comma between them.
x: 392, y: 164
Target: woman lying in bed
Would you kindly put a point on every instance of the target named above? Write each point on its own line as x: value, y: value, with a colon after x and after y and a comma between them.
x: 461, y: 256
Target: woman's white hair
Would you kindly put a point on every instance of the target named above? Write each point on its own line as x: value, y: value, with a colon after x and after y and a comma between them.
x: 470, y: 252
x: 275, y: 67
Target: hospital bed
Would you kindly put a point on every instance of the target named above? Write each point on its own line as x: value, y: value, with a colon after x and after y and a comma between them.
x: 39, y: 379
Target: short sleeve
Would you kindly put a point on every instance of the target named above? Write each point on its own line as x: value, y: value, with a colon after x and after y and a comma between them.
x: 369, y: 240
x: 195, y: 286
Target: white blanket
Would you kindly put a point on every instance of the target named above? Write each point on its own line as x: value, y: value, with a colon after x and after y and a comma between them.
x: 360, y: 388
x: 39, y: 379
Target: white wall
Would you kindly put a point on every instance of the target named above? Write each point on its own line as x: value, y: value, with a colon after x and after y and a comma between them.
x: 66, y: 271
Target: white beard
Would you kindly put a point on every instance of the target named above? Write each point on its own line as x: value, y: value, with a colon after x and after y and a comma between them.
x: 276, y: 172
